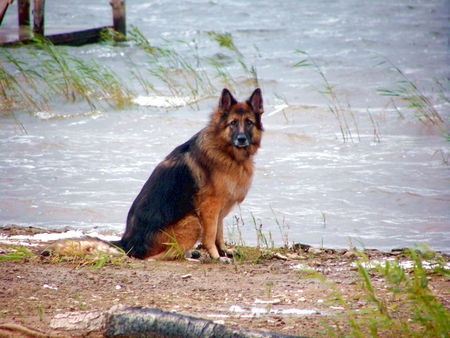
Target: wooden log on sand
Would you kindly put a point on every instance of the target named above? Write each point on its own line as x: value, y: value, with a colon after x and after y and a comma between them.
x: 157, y: 323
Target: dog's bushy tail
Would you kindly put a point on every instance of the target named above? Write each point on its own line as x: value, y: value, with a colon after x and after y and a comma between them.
x: 84, y: 246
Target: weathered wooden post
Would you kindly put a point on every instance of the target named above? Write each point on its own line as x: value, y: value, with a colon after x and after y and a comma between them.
x: 23, y: 7
x: 38, y: 17
x: 119, y: 22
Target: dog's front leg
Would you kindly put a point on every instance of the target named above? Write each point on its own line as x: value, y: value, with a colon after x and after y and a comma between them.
x: 209, y: 212
x: 220, y: 242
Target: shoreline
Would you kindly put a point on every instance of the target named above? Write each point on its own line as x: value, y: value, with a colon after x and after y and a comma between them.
x: 290, y: 292
x: 36, y: 236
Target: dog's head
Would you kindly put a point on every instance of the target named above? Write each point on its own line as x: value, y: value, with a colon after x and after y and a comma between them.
x: 239, y: 123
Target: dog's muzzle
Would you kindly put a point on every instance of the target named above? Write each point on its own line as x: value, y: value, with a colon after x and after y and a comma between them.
x: 241, y: 141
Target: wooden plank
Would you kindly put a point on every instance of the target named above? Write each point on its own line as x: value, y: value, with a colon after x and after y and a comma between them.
x: 38, y: 17
x: 119, y: 22
x: 71, y: 39
x: 77, y: 38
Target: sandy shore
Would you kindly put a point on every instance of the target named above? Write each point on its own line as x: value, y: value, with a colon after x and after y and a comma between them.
x: 266, y: 292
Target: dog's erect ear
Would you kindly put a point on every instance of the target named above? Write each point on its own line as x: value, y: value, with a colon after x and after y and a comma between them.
x: 256, y: 101
x: 226, y: 100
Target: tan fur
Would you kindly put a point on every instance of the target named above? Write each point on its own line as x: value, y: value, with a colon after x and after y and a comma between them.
x: 83, y: 246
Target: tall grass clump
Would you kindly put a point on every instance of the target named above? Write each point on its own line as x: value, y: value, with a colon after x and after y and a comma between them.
x: 407, y: 91
x: 342, y: 112
x: 186, y: 74
x: 93, y: 260
x: 405, y: 307
x: 234, y: 235
x: 179, y: 75
x: 74, y: 78
x: 262, y: 240
x: 45, y: 73
x: 284, y: 228
x: 226, y: 41
x: 265, y: 240
x: 20, y: 85
x: 12, y: 252
x: 175, y: 250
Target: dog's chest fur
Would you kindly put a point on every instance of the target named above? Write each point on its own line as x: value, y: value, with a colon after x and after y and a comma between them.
x: 234, y: 184
x: 237, y: 185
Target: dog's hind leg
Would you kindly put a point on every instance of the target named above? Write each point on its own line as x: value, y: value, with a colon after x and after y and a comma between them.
x: 173, y: 241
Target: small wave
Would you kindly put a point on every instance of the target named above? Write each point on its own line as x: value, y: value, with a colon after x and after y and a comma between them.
x: 163, y: 101
x: 49, y: 115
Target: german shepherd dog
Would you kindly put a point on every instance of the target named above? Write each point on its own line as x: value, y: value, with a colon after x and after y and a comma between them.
x: 191, y: 191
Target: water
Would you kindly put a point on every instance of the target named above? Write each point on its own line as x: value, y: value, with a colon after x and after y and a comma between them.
x: 386, y: 186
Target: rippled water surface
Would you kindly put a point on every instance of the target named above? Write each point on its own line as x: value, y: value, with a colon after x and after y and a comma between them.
x: 375, y: 177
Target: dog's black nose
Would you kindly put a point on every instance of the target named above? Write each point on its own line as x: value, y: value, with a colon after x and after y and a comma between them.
x: 241, y: 140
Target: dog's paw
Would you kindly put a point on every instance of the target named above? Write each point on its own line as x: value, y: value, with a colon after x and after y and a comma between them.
x: 226, y: 260
x: 193, y: 254
x: 230, y: 253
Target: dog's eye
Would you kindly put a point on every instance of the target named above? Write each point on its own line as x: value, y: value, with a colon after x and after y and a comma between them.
x: 249, y: 122
x: 233, y: 123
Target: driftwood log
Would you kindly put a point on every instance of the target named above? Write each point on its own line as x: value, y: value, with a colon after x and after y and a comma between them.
x: 120, y: 321
x: 144, y: 322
